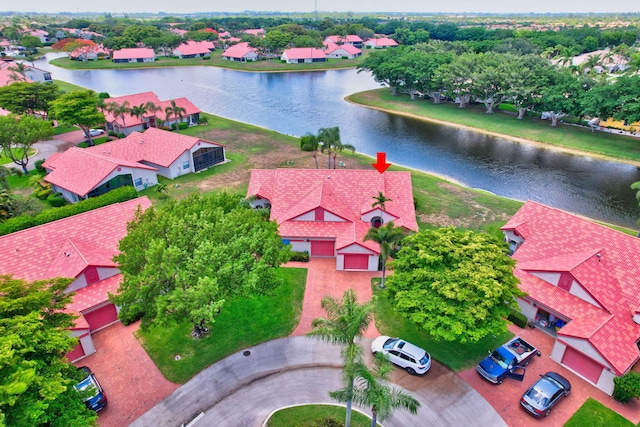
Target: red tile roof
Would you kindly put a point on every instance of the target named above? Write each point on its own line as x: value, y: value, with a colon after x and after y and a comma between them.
x: 345, y: 193
x: 94, y: 294
x: 304, y: 53
x: 382, y: 42
x: 141, y: 99
x: 605, y: 264
x: 156, y: 146
x: 239, y: 50
x: 195, y: 48
x: 348, y: 48
x: 89, y: 238
x: 134, y: 53
x: 80, y: 171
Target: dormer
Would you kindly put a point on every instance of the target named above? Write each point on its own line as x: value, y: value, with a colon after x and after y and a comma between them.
x: 319, y: 214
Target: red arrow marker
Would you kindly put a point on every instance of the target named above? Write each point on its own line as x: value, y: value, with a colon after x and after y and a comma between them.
x: 381, y: 164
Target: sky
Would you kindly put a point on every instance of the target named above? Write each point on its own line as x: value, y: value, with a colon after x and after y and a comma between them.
x: 422, y: 6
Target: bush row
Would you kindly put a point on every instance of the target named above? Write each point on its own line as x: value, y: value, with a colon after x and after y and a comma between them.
x: 22, y: 222
x: 518, y: 319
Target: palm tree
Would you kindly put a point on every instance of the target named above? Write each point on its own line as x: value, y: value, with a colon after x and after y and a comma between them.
x: 346, y: 320
x: 373, y: 389
x: 329, y: 138
x: 380, y: 200
x: 18, y: 72
x: 176, y: 111
x: 153, y: 108
x: 387, y: 237
x: 139, y: 111
x: 119, y: 110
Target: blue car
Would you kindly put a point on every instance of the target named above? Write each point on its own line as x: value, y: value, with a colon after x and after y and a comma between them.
x: 95, y: 398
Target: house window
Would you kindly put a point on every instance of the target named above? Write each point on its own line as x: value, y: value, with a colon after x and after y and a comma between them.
x: 185, y: 165
x: 565, y: 281
x: 138, y: 182
x: 376, y: 222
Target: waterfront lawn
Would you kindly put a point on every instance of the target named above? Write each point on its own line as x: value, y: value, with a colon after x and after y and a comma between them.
x: 65, y: 87
x: 305, y: 415
x: 530, y: 128
x: 454, y: 355
x: 594, y: 414
x: 215, y: 61
x: 242, y: 323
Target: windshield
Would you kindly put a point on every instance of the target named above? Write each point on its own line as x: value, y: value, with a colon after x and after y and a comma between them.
x: 499, y: 360
x: 390, y: 343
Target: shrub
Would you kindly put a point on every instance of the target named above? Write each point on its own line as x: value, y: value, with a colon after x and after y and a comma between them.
x: 206, y: 58
x: 324, y: 422
x: 43, y: 194
x: 38, y: 166
x: 518, y: 318
x: 300, y: 256
x: 626, y: 387
x: 17, y: 172
x: 56, y: 200
x: 121, y: 135
x: 112, y: 133
x: 118, y: 195
x: 183, y: 125
x: 174, y: 126
x: 203, y: 121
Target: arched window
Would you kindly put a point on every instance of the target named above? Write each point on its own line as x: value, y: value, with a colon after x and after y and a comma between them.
x: 376, y: 222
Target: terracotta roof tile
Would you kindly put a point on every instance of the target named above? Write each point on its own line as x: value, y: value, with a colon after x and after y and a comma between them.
x: 94, y: 294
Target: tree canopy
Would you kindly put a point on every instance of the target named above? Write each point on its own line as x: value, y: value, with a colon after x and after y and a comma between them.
x: 79, y: 108
x: 36, y: 380
x: 19, y: 133
x: 457, y: 285
x: 182, y: 261
x: 27, y: 98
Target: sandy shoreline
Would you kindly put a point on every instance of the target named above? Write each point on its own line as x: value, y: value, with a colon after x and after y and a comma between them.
x: 500, y: 135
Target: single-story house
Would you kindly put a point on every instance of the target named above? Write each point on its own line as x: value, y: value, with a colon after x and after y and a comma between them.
x: 134, y: 54
x: 89, y: 53
x: 193, y: 49
x: 380, y: 43
x: 256, y: 32
x: 8, y: 74
x: 582, y: 282
x: 299, y: 55
x: 80, y: 247
x: 350, y: 39
x: 328, y: 212
x: 240, y: 52
x: 136, y: 160
x: 348, y: 51
x: 37, y: 75
x: 41, y: 34
x: 130, y: 123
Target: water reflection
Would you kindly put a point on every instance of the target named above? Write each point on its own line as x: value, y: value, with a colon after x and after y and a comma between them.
x: 297, y: 103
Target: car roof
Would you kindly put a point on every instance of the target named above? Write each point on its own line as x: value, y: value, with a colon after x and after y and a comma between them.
x: 407, y: 347
x: 559, y: 378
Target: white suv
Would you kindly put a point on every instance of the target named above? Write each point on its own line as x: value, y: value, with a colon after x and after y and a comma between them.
x: 404, y: 354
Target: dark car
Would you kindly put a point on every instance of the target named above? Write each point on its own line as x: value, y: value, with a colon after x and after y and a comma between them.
x: 550, y: 389
x: 95, y: 398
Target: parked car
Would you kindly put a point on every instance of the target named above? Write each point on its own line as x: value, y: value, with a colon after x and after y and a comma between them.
x: 95, y: 397
x: 94, y: 132
x: 550, y: 389
x: 507, y: 361
x: 404, y: 354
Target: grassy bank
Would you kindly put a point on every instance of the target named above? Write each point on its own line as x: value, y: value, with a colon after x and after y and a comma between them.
x: 305, y: 415
x: 215, y: 61
x: 564, y: 137
x: 242, y: 323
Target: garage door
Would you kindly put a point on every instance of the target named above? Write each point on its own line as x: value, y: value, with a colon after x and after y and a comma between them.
x: 322, y: 248
x: 588, y: 368
x: 101, y: 317
x: 356, y: 262
x: 76, y: 353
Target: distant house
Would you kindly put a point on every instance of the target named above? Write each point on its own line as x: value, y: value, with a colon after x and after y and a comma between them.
x: 380, y: 43
x: 348, y: 51
x: 257, y: 32
x: 41, y: 34
x: 178, y: 31
x: 350, y: 39
x: 328, y: 212
x: 193, y: 49
x: 31, y: 74
x: 582, y: 282
x: 136, y: 54
x: 89, y: 53
x: 299, y: 55
x: 240, y: 52
x: 80, y: 247
x: 136, y: 160
x: 129, y: 123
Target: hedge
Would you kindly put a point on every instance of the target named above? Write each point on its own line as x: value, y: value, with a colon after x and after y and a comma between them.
x: 22, y: 222
x: 518, y: 318
x: 300, y: 256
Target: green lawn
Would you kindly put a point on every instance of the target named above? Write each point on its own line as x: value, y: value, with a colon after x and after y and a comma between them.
x: 65, y: 87
x: 18, y: 152
x: 454, y: 355
x: 594, y: 414
x: 64, y: 129
x: 215, y: 61
x: 563, y: 136
x: 242, y: 323
x: 302, y: 416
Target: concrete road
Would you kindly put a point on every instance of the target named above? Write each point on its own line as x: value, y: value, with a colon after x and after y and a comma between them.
x: 59, y: 144
x: 242, y: 390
